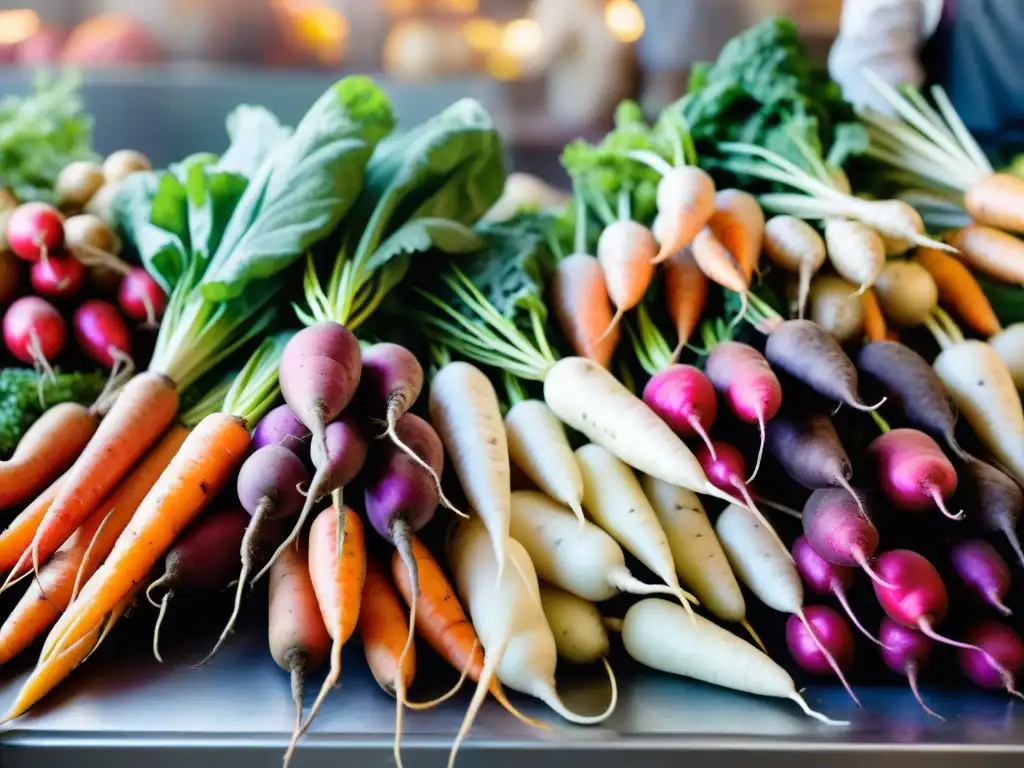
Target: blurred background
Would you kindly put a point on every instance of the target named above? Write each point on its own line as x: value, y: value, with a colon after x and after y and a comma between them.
x: 161, y: 74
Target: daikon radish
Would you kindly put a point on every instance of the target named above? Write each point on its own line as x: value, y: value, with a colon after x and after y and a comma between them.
x: 579, y: 630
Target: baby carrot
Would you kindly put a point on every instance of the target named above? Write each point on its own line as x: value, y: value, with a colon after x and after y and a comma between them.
x: 959, y: 290
x: 686, y: 294
x: 17, y: 537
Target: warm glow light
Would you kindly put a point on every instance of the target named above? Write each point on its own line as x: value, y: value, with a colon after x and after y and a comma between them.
x: 482, y: 34
x: 459, y: 6
x: 625, y: 20
x: 502, y: 66
x: 522, y: 39
x: 18, y: 26
x: 318, y: 29
x: 400, y: 7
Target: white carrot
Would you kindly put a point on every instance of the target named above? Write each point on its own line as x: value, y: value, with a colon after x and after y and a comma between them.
x: 856, y: 251
x: 1009, y: 345
x: 796, y: 246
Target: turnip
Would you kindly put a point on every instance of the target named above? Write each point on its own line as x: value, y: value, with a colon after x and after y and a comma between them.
x: 58, y: 277
x: 999, y: 501
x: 101, y: 334
x: 796, y: 246
x: 906, y: 292
x: 685, y: 399
x: 77, y: 183
x: 996, y: 658
x: 913, y: 472
x: 141, y: 298
x: 102, y: 203
x: 89, y: 234
x: 579, y: 630
x: 123, y: 163
x: 838, y: 528
x: 836, y: 307
x: 34, y: 332
x: 34, y: 231
x: 826, y: 578
x: 905, y: 651
x: 856, y: 251
x: 830, y: 632
x: 280, y: 426
x: 983, y: 570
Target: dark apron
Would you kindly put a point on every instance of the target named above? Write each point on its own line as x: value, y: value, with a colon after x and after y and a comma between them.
x: 977, y: 56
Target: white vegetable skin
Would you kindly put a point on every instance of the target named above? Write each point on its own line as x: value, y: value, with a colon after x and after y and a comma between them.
x: 577, y: 625
x: 465, y: 412
x: 855, y: 250
x: 700, y: 561
x: 836, y: 307
x: 985, y: 394
x: 897, y: 223
x: 538, y: 445
x: 1009, y: 345
x: 616, y: 502
x: 906, y: 292
x: 796, y: 246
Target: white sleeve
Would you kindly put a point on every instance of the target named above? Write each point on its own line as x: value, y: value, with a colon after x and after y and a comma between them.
x: 884, y: 36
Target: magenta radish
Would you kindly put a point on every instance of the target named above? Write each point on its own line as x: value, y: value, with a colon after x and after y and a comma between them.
x: 999, y: 501
x: 913, y: 472
x: 280, y: 426
x: 905, y: 651
x: 57, y: 277
x: 141, y: 298
x: 746, y: 380
x: 983, y: 570
x: 34, y: 331
x: 101, y: 333
x: 34, y: 231
x: 685, y: 400
x: 996, y: 658
x: 826, y: 578
x: 838, y: 529
x: 918, y: 599
x: 830, y: 631
x: 270, y: 487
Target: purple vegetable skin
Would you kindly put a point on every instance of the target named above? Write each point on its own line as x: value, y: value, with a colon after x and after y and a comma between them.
x: 983, y: 570
x: 282, y: 427
x: 905, y: 651
x: 997, y: 658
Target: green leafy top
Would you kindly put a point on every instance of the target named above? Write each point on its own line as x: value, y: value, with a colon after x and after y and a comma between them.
x: 256, y: 387
x: 20, y: 405
x: 40, y: 134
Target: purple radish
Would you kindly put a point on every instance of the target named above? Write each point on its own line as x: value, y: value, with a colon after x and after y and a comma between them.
x: 905, y: 651
x: 918, y: 599
x: 999, y: 501
x: 750, y: 387
x: 269, y: 488
x: 282, y: 427
x: 825, y: 578
x: 913, y: 472
x: 997, y: 656
x: 920, y: 393
x: 201, y: 560
x: 837, y: 529
x: 983, y: 570
x: 831, y: 633
x: 685, y: 400
x: 809, y: 353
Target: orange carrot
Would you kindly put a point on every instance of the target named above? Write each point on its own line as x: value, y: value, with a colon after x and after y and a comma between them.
x: 626, y: 252
x: 49, y: 595
x: 48, y: 448
x: 874, y: 321
x: 738, y: 223
x: 719, y: 265
x: 17, y: 537
x: 992, y: 252
x: 959, y: 290
x: 142, y: 413
x: 686, y: 295
x: 686, y: 200
x: 997, y: 201
x: 579, y: 298
x: 202, y: 466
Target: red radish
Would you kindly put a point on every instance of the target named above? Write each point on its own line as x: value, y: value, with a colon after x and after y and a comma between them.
x: 57, y: 277
x: 838, y: 529
x: 34, y: 331
x: 993, y: 642
x: 830, y: 632
x: 744, y: 377
x: 905, y: 651
x: 918, y: 599
x: 141, y: 298
x: 913, y: 472
x: 34, y: 231
x: 685, y: 400
x: 101, y: 333
x: 825, y: 578
x: 983, y: 570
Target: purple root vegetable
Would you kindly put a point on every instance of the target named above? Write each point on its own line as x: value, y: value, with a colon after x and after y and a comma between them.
x: 832, y: 634
x: 808, y: 448
x: 919, y: 391
x: 998, y: 652
x: 807, y: 352
x: 201, y: 560
x: 913, y: 472
x: 999, y: 501
x: 750, y: 387
x: 838, y: 530
x: 905, y: 651
x: 282, y: 427
x: 269, y: 488
x: 918, y: 599
x: 685, y: 400
x: 983, y: 570
x: 826, y: 578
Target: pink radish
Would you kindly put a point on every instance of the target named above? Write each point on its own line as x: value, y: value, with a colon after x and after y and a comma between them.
x: 983, y: 570
x: 830, y: 632
x: 34, y: 231
x: 905, y: 651
x: 34, y: 331
x: 141, y: 298
x: 57, y: 277
x: 746, y: 380
x: 913, y: 472
x: 838, y: 529
x: 282, y: 427
x: 993, y: 642
x: 685, y: 400
x: 101, y: 333
x: 825, y: 578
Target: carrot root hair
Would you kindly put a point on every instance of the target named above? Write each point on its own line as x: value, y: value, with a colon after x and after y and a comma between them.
x: 616, y: 319
x: 753, y: 634
x: 297, y: 663
x: 911, y: 671
x: 828, y: 657
x: 14, y: 577
x: 867, y: 408
x: 941, y: 504
x: 87, y: 555
x: 312, y: 496
x: 550, y: 697
x: 862, y: 561
x: 491, y: 661
x: 840, y: 595
x: 159, y: 623
x: 422, y: 706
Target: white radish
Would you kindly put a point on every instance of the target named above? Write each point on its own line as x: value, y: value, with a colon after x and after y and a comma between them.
x: 856, y: 251
x: 658, y: 634
x: 577, y: 625
x: 465, y: 412
x: 794, y: 245
x: 537, y: 444
x: 1009, y: 345
x: 518, y: 644
x: 581, y: 559
x: 906, y: 292
x: 897, y: 223
x: 613, y: 498
x: 836, y: 307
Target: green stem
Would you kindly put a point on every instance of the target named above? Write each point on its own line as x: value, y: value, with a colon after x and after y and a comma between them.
x: 580, y: 236
x: 707, y: 334
x: 762, y: 307
x: 541, y: 337
x: 601, y: 207
x: 624, y: 205
x: 883, y: 425
x: 941, y: 338
x: 626, y: 376
x: 513, y: 388
x: 640, y: 351
x: 949, y: 325
x: 656, y: 348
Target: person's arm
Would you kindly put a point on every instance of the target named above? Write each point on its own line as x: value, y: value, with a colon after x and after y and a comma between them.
x: 885, y: 36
